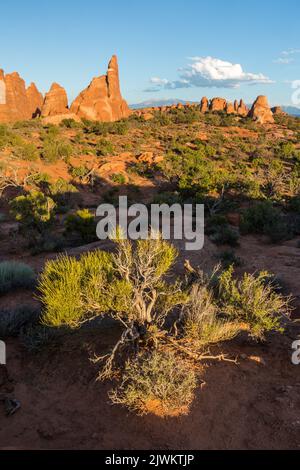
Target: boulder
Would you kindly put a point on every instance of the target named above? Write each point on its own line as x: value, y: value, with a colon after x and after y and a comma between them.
x: 55, y: 102
x: 102, y: 99
x: 261, y: 112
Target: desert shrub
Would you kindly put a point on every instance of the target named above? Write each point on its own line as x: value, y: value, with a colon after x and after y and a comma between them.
x: 55, y: 149
x: 68, y: 287
x: 15, y: 275
x: 35, y: 209
x: 70, y: 124
x: 143, y: 169
x: 193, y: 172
x: 162, y: 119
x: 13, y: 321
x: 201, y: 320
x: 159, y: 383
x: 64, y: 194
x: 285, y: 150
x: 46, y: 241
x: 220, y: 232
x: 118, y: 178
x: 224, y: 235
x: 104, y: 128
x: 27, y: 152
x: 37, y: 337
x: 83, y: 174
x: 253, y: 300
x: 229, y: 258
x: 184, y: 116
x: 104, y: 147
x: 264, y: 218
x: 294, y: 204
x: 83, y: 223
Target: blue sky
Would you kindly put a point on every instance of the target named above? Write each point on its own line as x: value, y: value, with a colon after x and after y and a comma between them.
x: 183, y: 45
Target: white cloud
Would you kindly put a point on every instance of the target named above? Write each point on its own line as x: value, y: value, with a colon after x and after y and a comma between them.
x: 291, y: 52
x: 284, y: 60
x: 285, y: 56
x: 209, y: 72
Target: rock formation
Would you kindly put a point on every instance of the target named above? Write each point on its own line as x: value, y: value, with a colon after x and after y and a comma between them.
x: 242, y: 109
x: 55, y: 102
x: 17, y: 106
x: 102, y: 99
x: 236, y: 105
x: 230, y: 108
x: 278, y: 110
x: 204, y: 105
x: 261, y: 111
x: 35, y: 99
x: 218, y: 104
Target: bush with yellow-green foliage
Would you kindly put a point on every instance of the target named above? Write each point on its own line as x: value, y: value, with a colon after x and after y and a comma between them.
x: 71, y: 289
x: 83, y: 224
x: 155, y: 353
x: 33, y: 210
x: 160, y: 383
x: 252, y: 300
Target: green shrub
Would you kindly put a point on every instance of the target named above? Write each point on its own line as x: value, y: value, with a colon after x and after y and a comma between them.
x: 27, y: 152
x: 55, y: 149
x: 229, y: 258
x: 83, y: 223
x: 64, y: 194
x: 294, y: 204
x: 220, y: 232
x: 14, y: 275
x: 201, y: 324
x: 13, y: 321
x: 36, y: 337
x: 104, y: 147
x: 67, y: 287
x: 70, y: 124
x: 252, y: 300
x: 159, y: 383
x: 118, y: 178
x: 34, y: 209
x: 263, y: 218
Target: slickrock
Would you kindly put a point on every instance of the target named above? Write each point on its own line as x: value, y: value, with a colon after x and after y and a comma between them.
x: 55, y: 102
x: 218, y: 104
x: 204, y: 105
x: 35, y: 99
x: 102, y: 99
x: 261, y: 112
